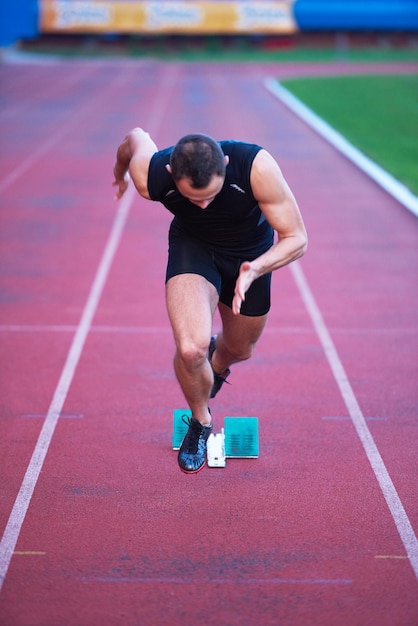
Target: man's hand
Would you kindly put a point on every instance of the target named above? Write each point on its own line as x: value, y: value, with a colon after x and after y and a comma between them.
x: 122, y: 185
x: 247, y: 275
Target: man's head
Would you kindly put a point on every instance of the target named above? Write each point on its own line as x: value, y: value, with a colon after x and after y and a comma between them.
x: 197, y: 158
x: 197, y: 165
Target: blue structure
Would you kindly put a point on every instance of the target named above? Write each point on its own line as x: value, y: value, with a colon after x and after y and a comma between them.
x: 357, y: 15
x: 18, y: 20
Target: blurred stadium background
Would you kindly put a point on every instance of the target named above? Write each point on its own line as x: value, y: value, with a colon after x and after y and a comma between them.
x: 266, y: 24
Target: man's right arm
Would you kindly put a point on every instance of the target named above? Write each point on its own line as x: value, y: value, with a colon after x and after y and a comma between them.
x: 132, y: 160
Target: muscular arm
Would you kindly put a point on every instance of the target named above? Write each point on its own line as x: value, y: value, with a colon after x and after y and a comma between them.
x: 132, y: 159
x: 280, y: 208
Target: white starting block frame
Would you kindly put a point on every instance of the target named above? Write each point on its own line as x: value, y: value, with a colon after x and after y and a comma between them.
x: 238, y: 439
x: 216, y: 449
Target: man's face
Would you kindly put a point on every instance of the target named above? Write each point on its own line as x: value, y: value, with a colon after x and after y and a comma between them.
x: 200, y: 197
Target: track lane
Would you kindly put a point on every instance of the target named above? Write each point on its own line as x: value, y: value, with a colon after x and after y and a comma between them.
x: 295, y: 510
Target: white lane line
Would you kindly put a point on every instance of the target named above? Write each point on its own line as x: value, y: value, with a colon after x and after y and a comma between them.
x: 284, y: 330
x: 21, y: 505
x: 217, y: 581
x: 17, y: 516
x: 398, y: 191
x: 37, y: 328
x: 390, y: 494
x: 54, y: 328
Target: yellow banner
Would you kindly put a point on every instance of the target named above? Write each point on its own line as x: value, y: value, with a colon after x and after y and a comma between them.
x: 170, y: 17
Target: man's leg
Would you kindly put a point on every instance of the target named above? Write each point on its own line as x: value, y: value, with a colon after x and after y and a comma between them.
x: 237, y: 339
x: 191, y: 302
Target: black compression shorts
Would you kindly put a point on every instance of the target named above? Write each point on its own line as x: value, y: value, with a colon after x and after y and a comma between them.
x: 189, y: 256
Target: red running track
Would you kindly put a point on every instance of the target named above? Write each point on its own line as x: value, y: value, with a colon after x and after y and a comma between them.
x: 99, y: 526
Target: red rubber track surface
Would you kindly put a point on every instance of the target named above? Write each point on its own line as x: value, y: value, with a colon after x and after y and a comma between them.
x: 114, y: 533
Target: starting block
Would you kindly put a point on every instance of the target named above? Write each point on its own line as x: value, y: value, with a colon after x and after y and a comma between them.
x: 237, y: 440
x: 216, y: 449
x: 241, y: 437
x: 180, y: 426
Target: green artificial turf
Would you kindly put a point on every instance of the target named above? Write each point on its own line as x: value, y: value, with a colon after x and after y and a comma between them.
x: 377, y: 114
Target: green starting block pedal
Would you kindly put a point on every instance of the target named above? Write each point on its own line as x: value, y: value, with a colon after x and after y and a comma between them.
x: 180, y: 426
x: 238, y: 440
x: 241, y: 437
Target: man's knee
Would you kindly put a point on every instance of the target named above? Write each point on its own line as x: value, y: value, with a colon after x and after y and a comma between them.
x: 240, y: 352
x: 192, y: 354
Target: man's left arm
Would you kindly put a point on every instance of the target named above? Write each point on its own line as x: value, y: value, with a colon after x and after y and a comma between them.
x: 280, y: 208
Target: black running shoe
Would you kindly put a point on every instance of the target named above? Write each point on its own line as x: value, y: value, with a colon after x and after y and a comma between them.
x: 218, y: 379
x: 192, y: 453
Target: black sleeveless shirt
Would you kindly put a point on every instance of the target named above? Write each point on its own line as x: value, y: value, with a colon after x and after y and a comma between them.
x: 233, y: 222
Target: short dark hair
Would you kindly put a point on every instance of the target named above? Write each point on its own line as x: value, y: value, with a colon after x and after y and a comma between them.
x: 197, y: 158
